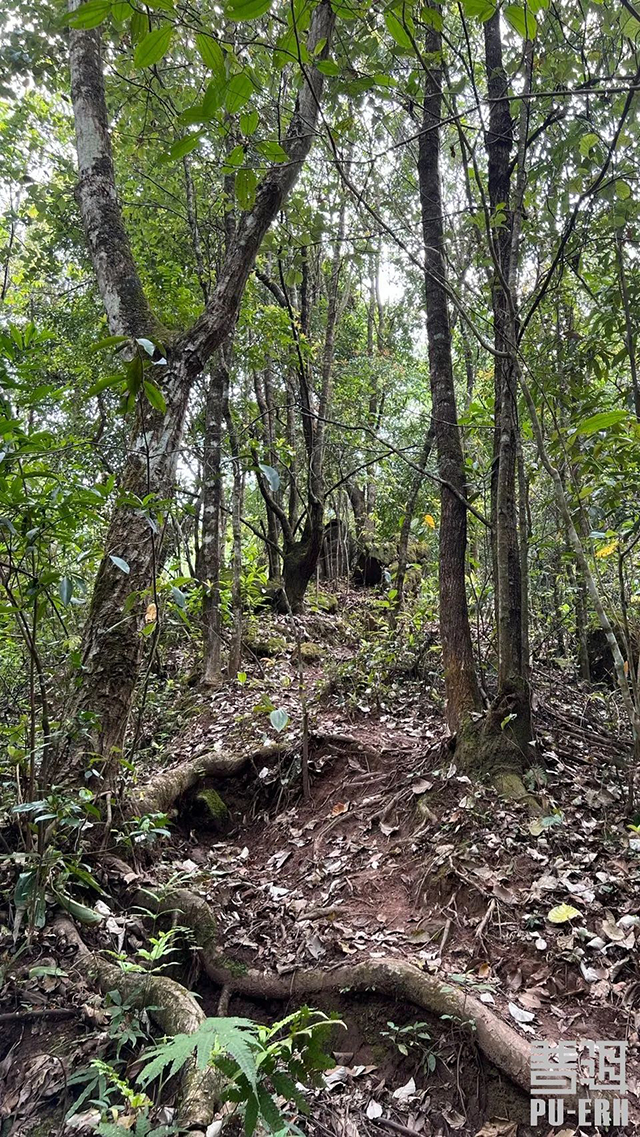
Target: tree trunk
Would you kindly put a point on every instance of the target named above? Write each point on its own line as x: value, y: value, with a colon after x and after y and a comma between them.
x: 210, y: 559
x: 461, y: 685
x: 409, y: 510
x: 111, y: 641
x: 300, y: 560
x: 235, y: 648
x: 513, y: 688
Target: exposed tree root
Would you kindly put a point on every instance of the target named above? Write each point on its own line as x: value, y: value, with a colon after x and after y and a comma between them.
x: 172, y: 1008
x: 395, y: 977
x: 159, y: 794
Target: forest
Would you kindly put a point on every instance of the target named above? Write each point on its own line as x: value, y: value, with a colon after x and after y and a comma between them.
x: 319, y: 567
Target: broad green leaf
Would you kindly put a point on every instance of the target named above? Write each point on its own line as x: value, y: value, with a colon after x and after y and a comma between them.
x: 248, y: 122
x: 239, y: 91
x: 246, y: 182
x: 398, y: 31
x: 601, y: 421
x: 623, y: 190
x: 247, y: 9
x: 155, y: 397
x: 279, y: 719
x: 521, y: 20
x: 273, y: 151
x: 182, y: 147
x: 106, y: 381
x: 65, y: 589
x: 234, y: 159
x: 328, y: 67
x: 91, y: 14
x: 108, y: 341
x: 211, y: 54
x: 153, y: 47
x: 178, y: 596
x: 271, y: 475
x: 79, y: 911
x: 478, y: 9
x: 587, y: 143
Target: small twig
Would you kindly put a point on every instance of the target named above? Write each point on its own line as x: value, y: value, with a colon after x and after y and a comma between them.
x: 47, y: 1013
x: 485, y: 920
x: 395, y: 1126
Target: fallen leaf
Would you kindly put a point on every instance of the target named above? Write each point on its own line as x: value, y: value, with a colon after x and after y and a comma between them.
x: 403, y: 1093
x: 454, y: 1119
x: 561, y: 913
x: 519, y: 1015
x: 374, y: 1109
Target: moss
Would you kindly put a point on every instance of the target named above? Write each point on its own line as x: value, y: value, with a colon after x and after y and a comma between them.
x: 233, y: 966
x: 269, y: 648
x: 327, y: 602
x: 311, y: 652
x: 213, y: 804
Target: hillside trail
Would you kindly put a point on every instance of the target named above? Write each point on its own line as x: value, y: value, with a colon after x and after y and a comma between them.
x: 397, y: 854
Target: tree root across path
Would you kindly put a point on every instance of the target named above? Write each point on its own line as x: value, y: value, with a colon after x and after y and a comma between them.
x: 174, y: 1009
x: 160, y: 792
x: 397, y: 978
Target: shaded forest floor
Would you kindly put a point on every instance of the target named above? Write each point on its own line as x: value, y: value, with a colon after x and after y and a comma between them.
x: 395, y: 854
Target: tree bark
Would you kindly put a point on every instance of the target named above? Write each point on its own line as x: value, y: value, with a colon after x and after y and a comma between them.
x: 111, y: 642
x: 210, y: 559
x: 461, y: 684
x: 512, y: 682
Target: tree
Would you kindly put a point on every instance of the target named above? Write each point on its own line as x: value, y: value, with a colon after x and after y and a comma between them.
x: 111, y: 641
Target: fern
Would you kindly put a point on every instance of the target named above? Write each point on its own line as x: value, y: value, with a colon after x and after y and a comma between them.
x: 258, y: 1061
x: 233, y: 1036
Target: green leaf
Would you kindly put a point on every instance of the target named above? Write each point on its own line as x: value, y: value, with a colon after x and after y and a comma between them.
x: 153, y: 47
x: 155, y: 397
x: 521, y: 20
x: 234, y: 159
x: 247, y: 9
x: 179, y: 597
x: 90, y: 15
x: 79, y: 911
x: 24, y: 890
x: 587, y: 143
x: 239, y: 91
x: 248, y: 122
x: 479, y: 9
x: 246, y: 182
x: 211, y: 54
x: 181, y: 147
x: 65, y: 589
x: 120, y: 563
x: 271, y: 475
x: 108, y: 341
x: 106, y: 381
x: 279, y: 719
x: 328, y: 67
x: 138, y: 26
x: 623, y: 190
x: 601, y: 421
x: 273, y: 151
x: 398, y: 31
